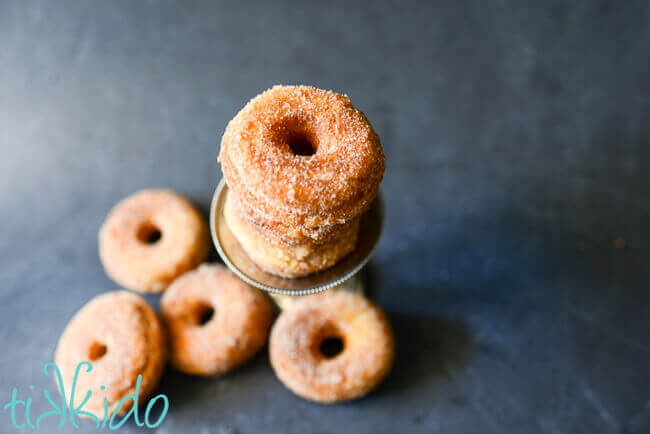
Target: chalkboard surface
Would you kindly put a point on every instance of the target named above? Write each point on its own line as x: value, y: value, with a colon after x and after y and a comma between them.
x: 514, y: 261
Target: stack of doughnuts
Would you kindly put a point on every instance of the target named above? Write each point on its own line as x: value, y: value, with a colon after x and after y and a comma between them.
x: 302, y: 165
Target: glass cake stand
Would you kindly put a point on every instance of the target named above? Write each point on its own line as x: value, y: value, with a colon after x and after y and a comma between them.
x: 344, y: 275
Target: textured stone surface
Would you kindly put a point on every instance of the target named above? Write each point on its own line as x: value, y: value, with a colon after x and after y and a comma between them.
x: 517, y: 136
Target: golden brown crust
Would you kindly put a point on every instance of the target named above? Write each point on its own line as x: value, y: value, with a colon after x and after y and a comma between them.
x: 283, y: 234
x: 122, y: 337
x: 150, y: 267
x: 366, y: 358
x: 335, y: 184
x: 237, y: 329
x: 290, y: 261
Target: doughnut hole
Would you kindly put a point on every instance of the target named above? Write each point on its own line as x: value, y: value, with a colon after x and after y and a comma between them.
x: 200, y: 313
x: 300, y: 137
x: 331, y: 347
x: 301, y: 145
x: 330, y: 343
x: 96, y: 351
x: 148, y: 233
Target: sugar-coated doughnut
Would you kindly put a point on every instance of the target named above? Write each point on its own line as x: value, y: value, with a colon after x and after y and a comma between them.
x: 290, y: 261
x: 150, y: 238
x: 291, y: 235
x: 302, y: 157
x: 215, y: 321
x: 331, y: 347
x: 121, y: 336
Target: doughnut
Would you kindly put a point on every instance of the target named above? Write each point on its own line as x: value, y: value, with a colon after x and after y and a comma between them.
x: 121, y: 336
x: 302, y: 157
x: 215, y: 321
x: 290, y: 235
x: 289, y: 261
x: 150, y: 238
x: 332, y: 347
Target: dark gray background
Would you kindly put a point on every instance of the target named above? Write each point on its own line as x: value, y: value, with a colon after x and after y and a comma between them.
x: 516, y: 136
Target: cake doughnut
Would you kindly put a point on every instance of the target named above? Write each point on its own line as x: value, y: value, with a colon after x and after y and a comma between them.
x: 121, y: 336
x: 289, y: 261
x: 150, y: 238
x: 288, y: 235
x: 331, y: 347
x: 302, y: 157
x: 215, y: 321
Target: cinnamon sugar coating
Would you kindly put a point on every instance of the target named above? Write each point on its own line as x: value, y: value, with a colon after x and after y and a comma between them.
x: 366, y: 356
x: 286, y: 235
x: 150, y: 238
x: 236, y: 328
x: 122, y: 337
x: 289, y: 260
x: 290, y: 192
